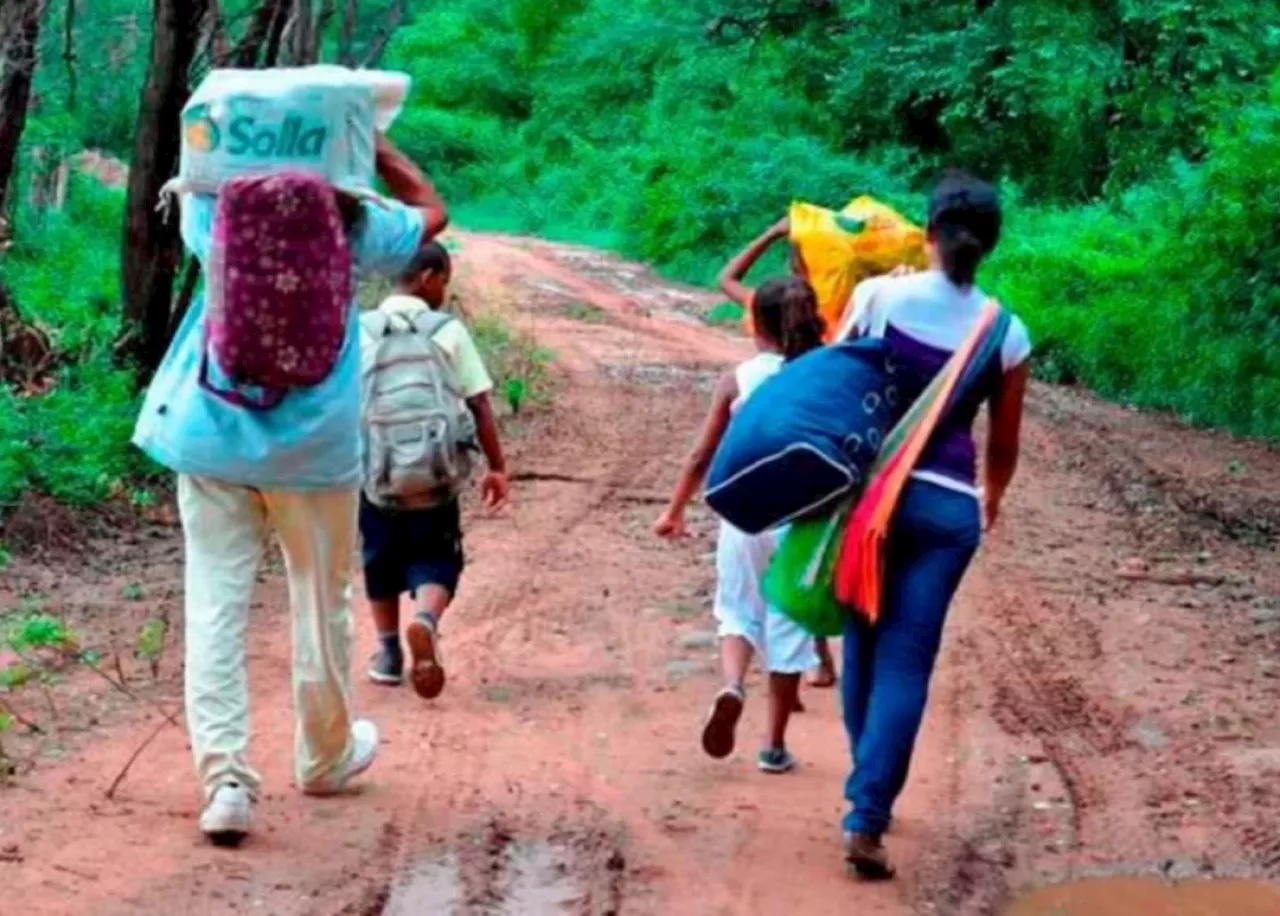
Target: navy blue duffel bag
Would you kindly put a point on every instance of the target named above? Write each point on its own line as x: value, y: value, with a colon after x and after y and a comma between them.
x: 806, y: 437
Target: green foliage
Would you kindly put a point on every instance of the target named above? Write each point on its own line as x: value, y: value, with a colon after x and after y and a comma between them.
x: 1170, y: 297
x: 519, y: 366
x: 586, y: 313
x: 1137, y: 142
x: 15, y: 675
x: 38, y: 631
x: 726, y: 314
x: 677, y: 131
x: 150, y: 643
x: 72, y: 441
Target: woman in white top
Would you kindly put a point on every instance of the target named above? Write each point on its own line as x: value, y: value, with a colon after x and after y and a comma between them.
x: 937, y: 526
x: 786, y: 325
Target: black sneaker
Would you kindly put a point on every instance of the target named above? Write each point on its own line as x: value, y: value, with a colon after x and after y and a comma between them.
x: 387, y: 668
x: 775, y: 761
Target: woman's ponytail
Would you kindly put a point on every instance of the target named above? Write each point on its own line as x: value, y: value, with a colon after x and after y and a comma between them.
x: 964, y: 225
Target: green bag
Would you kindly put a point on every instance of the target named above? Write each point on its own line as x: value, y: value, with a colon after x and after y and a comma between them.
x: 798, y: 580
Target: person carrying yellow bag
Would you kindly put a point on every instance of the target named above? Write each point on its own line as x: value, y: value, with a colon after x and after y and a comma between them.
x: 834, y: 251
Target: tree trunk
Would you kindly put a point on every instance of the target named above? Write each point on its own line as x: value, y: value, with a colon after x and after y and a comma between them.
x: 302, y: 23
x: 69, y: 55
x: 246, y: 53
x: 347, y: 38
x: 152, y: 247
x: 378, y: 45
x: 20, y: 30
x: 275, y: 36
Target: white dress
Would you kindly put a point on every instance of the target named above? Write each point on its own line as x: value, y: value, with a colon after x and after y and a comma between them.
x: 741, y: 561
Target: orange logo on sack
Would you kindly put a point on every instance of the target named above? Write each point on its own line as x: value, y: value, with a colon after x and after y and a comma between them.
x: 200, y: 133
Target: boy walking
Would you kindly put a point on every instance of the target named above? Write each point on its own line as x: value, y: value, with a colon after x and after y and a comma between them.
x: 426, y: 410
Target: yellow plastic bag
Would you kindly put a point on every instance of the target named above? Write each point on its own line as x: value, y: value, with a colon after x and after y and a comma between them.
x: 840, y: 250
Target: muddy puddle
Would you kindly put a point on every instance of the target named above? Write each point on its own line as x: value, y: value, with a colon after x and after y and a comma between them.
x: 1150, y: 897
x: 525, y: 878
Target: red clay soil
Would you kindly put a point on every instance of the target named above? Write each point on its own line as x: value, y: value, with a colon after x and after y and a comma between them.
x: 1105, y: 704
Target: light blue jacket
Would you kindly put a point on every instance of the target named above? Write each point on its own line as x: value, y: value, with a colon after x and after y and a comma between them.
x: 311, y: 440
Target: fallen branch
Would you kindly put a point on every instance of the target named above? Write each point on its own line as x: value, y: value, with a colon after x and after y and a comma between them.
x: 169, y: 718
x: 133, y: 758
x: 19, y: 717
x: 73, y: 653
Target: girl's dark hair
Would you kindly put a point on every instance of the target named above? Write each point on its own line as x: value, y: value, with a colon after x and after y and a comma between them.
x: 785, y: 309
x: 964, y: 224
x: 431, y: 257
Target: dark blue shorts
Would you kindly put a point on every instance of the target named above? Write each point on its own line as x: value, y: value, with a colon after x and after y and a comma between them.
x: 402, y: 551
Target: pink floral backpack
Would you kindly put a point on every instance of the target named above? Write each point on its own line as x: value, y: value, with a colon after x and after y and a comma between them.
x: 278, y: 288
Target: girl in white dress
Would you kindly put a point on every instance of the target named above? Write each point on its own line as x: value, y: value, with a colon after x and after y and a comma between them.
x: 786, y: 325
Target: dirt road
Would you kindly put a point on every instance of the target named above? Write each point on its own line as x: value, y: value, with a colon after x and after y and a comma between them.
x: 1105, y: 704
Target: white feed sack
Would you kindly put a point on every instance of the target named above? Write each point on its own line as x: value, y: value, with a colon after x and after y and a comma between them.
x: 317, y: 119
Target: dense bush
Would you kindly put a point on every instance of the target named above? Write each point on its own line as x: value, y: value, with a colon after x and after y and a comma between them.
x: 1138, y: 143
x: 1170, y: 297
x: 72, y: 441
x: 1129, y: 137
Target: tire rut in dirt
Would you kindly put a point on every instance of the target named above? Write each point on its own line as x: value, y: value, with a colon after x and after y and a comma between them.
x: 1157, y: 503
x: 499, y: 868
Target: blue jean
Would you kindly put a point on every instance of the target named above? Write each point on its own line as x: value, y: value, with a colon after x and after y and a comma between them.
x: 885, y: 680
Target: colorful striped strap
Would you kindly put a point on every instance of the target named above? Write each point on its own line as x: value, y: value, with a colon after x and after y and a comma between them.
x: 859, y: 572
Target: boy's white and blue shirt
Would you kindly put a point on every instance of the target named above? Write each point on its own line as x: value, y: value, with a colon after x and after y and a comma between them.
x: 311, y: 440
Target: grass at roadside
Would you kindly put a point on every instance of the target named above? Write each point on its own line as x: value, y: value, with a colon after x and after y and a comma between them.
x: 520, y: 366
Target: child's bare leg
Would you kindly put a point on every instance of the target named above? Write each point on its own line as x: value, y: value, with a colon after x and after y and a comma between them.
x: 719, y: 732
x: 386, y: 615
x: 434, y: 600
x: 424, y: 641
x: 825, y: 674
x: 735, y: 659
x: 783, y: 692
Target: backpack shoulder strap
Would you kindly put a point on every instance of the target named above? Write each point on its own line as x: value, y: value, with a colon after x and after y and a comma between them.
x: 431, y: 322
x: 374, y: 322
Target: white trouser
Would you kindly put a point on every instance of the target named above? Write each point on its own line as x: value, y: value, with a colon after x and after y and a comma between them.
x: 741, y: 609
x: 224, y: 527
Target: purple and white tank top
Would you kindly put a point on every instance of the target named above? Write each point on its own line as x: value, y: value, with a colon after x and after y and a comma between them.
x: 926, y: 318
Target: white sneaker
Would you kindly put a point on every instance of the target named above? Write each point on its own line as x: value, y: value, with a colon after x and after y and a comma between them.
x: 364, y: 750
x: 227, y: 817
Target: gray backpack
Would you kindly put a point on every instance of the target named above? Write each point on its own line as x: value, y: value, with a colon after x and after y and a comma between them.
x: 419, y: 434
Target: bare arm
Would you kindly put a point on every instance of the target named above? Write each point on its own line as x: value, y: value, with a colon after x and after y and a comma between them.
x: 1003, y: 444
x: 495, y: 486
x: 695, y: 467
x: 410, y: 186
x: 730, y: 279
